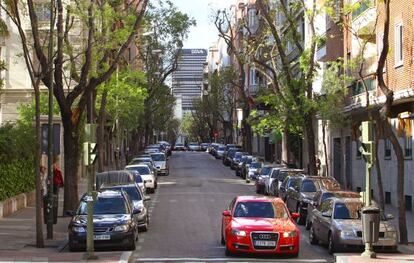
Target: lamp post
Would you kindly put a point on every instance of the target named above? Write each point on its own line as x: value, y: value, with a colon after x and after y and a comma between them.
x: 239, y: 114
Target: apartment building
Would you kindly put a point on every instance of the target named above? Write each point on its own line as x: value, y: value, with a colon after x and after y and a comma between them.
x: 345, y: 160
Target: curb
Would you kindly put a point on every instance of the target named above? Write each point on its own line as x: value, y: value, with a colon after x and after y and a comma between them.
x: 15, y: 203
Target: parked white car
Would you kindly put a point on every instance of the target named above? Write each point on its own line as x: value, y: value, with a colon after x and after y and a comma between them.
x: 147, y: 176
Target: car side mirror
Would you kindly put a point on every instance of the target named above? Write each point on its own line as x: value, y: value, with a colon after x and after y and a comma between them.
x: 69, y: 213
x: 295, y: 216
x: 147, y: 198
x: 326, y: 214
x: 291, y: 188
x: 226, y: 213
x: 389, y: 216
x: 136, y: 211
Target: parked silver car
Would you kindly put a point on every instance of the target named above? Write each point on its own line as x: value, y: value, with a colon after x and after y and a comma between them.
x: 337, y: 222
x: 161, y: 164
x: 194, y: 146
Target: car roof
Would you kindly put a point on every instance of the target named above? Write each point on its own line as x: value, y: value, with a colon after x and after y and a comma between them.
x: 346, y: 199
x: 107, y: 194
x: 252, y: 198
x: 137, y: 165
x: 114, y: 185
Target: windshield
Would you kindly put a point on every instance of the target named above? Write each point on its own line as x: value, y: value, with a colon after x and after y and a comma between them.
x: 158, y: 157
x: 260, y: 209
x: 249, y: 161
x: 308, y: 186
x: 140, y: 169
x: 256, y: 165
x: 330, y: 184
x: 105, y: 206
x: 265, y: 170
x: 347, y: 210
x: 138, y: 178
x: 221, y: 148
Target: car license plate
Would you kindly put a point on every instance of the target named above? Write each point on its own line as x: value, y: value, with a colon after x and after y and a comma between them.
x: 262, y: 243
x: 101, y: 237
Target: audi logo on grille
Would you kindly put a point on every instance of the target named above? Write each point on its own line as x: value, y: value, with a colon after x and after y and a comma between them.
x: 265, y: 236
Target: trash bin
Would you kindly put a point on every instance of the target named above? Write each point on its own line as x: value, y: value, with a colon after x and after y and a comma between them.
x: 370, y: 224
x: 54, y: 207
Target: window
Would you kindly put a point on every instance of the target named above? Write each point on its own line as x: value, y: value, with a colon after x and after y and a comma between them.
x: 398, y: 42
x: 253, y: 77
x: 388, y: 197
x: 387, y: 149
x: 358, y: 87
x: 362, y: 5
x: 42, y: 11
x: 408, y: 147
x: 408, y: 203
x: 253, y: 21
x: 358, y: 152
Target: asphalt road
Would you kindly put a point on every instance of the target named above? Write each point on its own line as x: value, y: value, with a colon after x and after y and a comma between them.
x: 186, y: 212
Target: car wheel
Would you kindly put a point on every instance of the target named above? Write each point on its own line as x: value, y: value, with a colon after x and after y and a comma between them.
x: 73, y: 248
x: 227, y: 252
x: 301, y: 219
x: 156, y: 185
x: 223, y: 242
x: 132, y: 246
x: 294, y: 255
x: 312, y: 238
x: 331, y: 245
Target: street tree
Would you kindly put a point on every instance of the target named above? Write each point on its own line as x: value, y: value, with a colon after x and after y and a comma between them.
x: 80, y: 64
x: 290, y: 72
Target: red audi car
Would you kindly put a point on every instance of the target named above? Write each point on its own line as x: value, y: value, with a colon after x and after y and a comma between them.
x: 259, y: 225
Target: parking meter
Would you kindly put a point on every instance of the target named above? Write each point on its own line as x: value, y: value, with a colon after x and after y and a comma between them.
x: 370, y: 224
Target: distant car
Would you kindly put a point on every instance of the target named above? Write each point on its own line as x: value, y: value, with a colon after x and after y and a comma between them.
x: 288, y: 182
x: 139, y: 200
x: 263, y: 175
x: 230, y: 148
x: 204, y: 146
x: 337, y: 222
x: 161, y: 164
x: 115, y: 222
x: 167, y: 147
x: 252, y: 170
x: 236, y: 159
x: 220, y: 151
x: 114, y: 177
x: 239, y: 166
x: 194, y: 146
x: 245, y: 166
x: 259, y: 225
x: 179, y: 147
x: 272, y: 181
x: 301, y: 193
x: 321, y: 196
x: 147, y: 175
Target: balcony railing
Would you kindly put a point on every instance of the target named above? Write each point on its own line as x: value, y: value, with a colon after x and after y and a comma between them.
x: 321, y: 53
x: 362, y: 6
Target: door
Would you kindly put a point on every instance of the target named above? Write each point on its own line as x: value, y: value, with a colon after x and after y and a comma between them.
x: 337, y: 160
x: 348, y: 160
x: 325, y: 221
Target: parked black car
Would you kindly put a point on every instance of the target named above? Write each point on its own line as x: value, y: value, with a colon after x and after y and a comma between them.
x: 115, y: 222
x: 303, y: 190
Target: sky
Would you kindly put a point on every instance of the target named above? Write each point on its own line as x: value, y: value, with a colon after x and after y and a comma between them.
x: 204, y: 33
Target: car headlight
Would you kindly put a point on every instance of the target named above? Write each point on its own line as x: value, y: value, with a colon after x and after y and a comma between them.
x: 290, y: 234
x: 347, y: 233
x: 391, y: 234
x: 78, y: 229
x: 121, y: 228
x: 239, y: 233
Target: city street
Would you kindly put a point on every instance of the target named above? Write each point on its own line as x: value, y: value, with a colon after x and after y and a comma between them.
x: 186, y: 215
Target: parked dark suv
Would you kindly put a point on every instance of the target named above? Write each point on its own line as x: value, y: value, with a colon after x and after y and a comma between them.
x: 303, y: 190
x: 115, y: 222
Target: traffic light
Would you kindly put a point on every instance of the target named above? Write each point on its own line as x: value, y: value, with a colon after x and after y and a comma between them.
x: 366, y: 138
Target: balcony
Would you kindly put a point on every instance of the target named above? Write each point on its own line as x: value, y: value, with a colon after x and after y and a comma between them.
x: 364, y: 19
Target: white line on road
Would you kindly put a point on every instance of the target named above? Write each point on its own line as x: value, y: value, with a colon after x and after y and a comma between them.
x: 125, y: 256
x: 198, y: 260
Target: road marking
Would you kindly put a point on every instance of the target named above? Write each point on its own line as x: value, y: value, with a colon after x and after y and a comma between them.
x: 173, y: 201
x: 245, y: 260
x: 125, y: 256
x: 141, y: 240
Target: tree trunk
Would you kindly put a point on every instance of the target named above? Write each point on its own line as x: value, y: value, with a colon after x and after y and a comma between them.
x: 402, y: 224
x: 310, y: 133
x: 101, y: 132
x: 379, y: 175
x: 247, y: 134
x: 325, y: 148
x: 38, y: 154
x: 71, y: 139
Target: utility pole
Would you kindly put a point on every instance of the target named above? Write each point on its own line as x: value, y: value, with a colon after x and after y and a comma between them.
x: 50, y: 196
x: 90, y: 156
x: 370, y: 215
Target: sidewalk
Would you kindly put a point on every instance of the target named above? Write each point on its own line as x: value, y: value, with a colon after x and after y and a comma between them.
x: 18, y: 236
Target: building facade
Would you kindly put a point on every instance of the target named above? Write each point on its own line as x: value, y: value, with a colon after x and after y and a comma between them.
x: 187, y: 80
